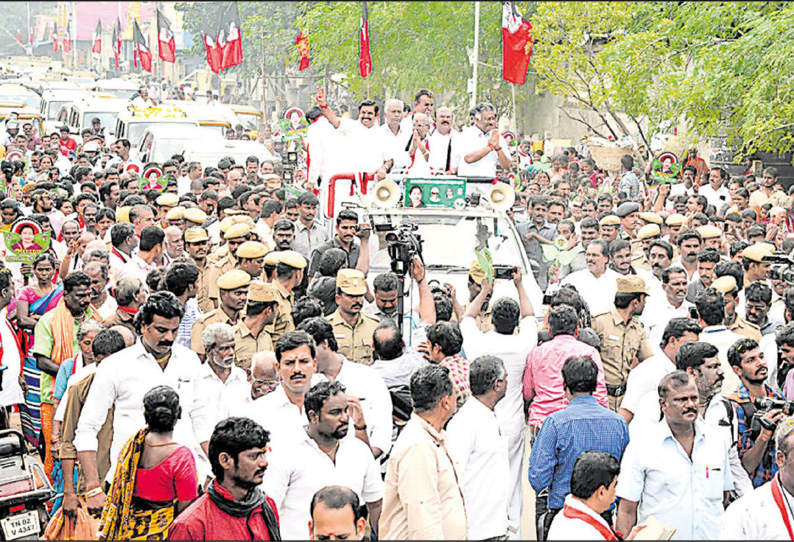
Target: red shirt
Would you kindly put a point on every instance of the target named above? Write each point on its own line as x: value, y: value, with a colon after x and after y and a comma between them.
x: 202, y: 520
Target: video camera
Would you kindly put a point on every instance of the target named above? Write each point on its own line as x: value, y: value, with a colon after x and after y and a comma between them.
x: 764, y: 405
x: 403, y: 245
x: 782, y: 267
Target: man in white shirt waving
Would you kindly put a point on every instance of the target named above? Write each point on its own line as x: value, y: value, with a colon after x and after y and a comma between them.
x: 477, y: 151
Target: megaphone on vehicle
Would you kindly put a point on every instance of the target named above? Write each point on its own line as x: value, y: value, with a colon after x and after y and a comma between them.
x: 502, y: 197
x: 386, y: 193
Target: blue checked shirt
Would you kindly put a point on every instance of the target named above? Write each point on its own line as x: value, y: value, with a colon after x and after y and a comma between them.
x: 583, y: 426
x: 768, y: 467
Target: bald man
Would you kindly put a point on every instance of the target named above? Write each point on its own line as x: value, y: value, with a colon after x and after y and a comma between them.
x: 129, y: 338
x: 263, y: 378
x: 419, y: 148
x: 73, y: 259
x: 174, y: 244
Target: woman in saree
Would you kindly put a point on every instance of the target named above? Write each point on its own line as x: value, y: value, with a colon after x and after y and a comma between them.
x: 32, y: 302
x: 155, y: 477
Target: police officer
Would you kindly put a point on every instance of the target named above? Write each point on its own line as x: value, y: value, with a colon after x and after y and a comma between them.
x: 233, y: 287
x: 164, y: 203
x: 623, y: 339
x: 251, y: 256
x: 250, y: 333
x: 194, y: 217
x: 289, y: 274
x: 727, y: 285
x: 645, y: 236
x: 235, y: 236
x: 352, y: 328
x: 197, y: 246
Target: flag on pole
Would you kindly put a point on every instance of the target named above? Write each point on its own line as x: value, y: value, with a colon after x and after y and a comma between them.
x: 55, y: 38
x: 364, y: 58
x: 67, y: 40
x: 232, y: 50
x: 516, y: 44
x: 97, y: 38
x: 19, y: 36
x: 115, y: 42
x: 166, y: 45
x: 302, y: 41
x: 144, y: 55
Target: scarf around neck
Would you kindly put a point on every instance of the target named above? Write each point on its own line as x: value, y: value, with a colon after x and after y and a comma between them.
x: 244, y: 508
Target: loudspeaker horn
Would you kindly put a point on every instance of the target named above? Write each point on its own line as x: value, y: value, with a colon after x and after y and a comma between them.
x: 502, y: 197
x: 386, y: 193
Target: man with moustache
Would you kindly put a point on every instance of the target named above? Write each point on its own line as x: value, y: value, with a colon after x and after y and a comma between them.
x: 353, y: 329
x: 673, y: 305
x: 197, y: 247
x: 324, y: 457
x: 479, y: 149
x: 233, y: 287
x: 220, y: 381
x: 678, y: 471
x: 123, y: 379
x: 441, y: 142
x: 757, y: 452
x: 596, y: 284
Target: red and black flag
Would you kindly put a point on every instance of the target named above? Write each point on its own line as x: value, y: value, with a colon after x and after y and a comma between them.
x: 67, y: 40
x: 117, y: 41
x: 516, y: 44
x: 97, y: 47
x: 19, y: 36
x: 55, y: 38
x: 141, y: 49
x: 302, y: 41
x: 166, y: 45
x: 364, y: 58
x: 223, y: 38
x: 30, y: 36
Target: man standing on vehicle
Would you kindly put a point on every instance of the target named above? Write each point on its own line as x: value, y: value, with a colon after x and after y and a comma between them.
x: 477, y: 151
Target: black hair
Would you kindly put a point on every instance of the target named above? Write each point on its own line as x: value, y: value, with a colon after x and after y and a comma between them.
x: 107, y: 342
x: 234, y: 436
x: 738, y: 348
x: 161, y: 409
x: 785, y: 335
x: 667, y: 247
x: 579, y: 374
x: 484, y: 372
x: 163, y: 304
x: 758, y: 292
x: 346, y: 214
x: 332, y: 261
x: 671, y: 381
x: 708, y: 255
x: 271, y: 206
x: 292, y: 340
x: 444, y: 307
x: 505, y: 315
x: 446, y: 335
x: 392, y: 346
x: 429, y: 384
x: 318, y: 394
x: 693, y: 354
x: 74, y: 280
x: 307, y: 198
x: 563, y: 320
x: 282, y: 224
x: 321, y: 330
x: 386, y: 282
x: 151, y: 236
x: 592, y: 471
x: 730, y: 268
x: 305, y: 308
x: 677, y: 327
x: 710, y: 305
x: 687, y: 234
x: 180, y: 275
x: 673, y: 269
x: 623, y: 300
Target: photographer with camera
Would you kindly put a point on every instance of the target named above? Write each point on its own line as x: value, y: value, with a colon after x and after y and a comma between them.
x: 756, y: 425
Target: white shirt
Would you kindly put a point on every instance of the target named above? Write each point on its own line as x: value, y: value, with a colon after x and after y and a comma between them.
x: 681, y: 492
x: 365, y: 383
x: 718, y: 197
x: 440, y: 148
x: 220, y: 395
x: 140, y: 103
x: 136, y: 267
x: 396, y: 145
x: 123, y: 379
x: 11, y: 394
x: 327, y: 151
x: 598, y: 293
x: 183, y: 185
x: 513, y: 351
x: 643, y: 382
x: 471, y: 140
x: 757, y: 517
x: 563, y: 528
x: 768, y: 346
x: 276, y: 413
x: 78, y: 376
x: 727, y: 426
x: 108, y: 307
x: 658, y: 312
x: 476, y: 444
x: 723, y: 339
x: 369, y: 148
x: 654, y: 286
x: 295, y: 474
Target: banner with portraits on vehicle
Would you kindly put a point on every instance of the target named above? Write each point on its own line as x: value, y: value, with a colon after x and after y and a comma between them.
x: 434, y: 193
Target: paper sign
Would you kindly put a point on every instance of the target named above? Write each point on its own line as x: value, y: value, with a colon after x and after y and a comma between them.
x: 665, y: 169
x: 25, y: 241
x: 485, y: 260
x: 153, y: 182
x: 434, y: 193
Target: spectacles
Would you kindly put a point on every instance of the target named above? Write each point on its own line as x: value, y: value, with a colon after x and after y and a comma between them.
x: 266, y: 383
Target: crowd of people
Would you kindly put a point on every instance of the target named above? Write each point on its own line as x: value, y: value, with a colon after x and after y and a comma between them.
x: 210, y: 362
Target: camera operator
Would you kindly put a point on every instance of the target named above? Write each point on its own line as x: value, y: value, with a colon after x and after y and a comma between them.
x: 756, y: 427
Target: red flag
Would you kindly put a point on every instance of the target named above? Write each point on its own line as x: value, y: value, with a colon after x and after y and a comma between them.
x: 516, y: 44
x: 144, y: 55
x: 114, y: 43
x: 67, y: 40
x: 55, y: 38
x: 166, y: 45
x: 302, y: 41
x: 19, y: 36
x: 364, y: 58
x: 233, y: 50
x: 30, y: 36
x: 214, y: 55
x: 97, y: 47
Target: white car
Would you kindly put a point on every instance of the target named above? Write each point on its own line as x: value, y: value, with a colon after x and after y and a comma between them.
x: 161, y: 141
x: 210, y: 153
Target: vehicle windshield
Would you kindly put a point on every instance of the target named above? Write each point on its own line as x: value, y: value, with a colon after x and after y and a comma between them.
x: 136, y: 129
x: 54, y: 107
x: 250, y: 121
x: 28, y: 100
x: 218, y: 128
x: 449, y: 241
x: 107, y: 118
x: 123, y: 93
x: 164, y: 149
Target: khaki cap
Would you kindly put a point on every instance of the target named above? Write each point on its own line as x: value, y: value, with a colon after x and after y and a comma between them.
x: 244, y: 219
x: 476, y: 272
x: 272, y: 258
x: 196, y: 235
x: 270, y: 177
x: 262, y: 292
x: 757, y: 252
x: 632, y: 284
x: 176, y: 213
x: 609, y: 220
x: 251, y: 249
x: 123, y: 213
x: 226, y: 223
x: 351, y: 281
x: 196, y: 215
x: 231, y: 280
x: 709, y: 232
x: 675, y: 219
x: 167, y: 200
x: 724, y: 284
x: 651, y: 218
x: 648, y: 230
x: 236, y: 231
x: 292, y: 259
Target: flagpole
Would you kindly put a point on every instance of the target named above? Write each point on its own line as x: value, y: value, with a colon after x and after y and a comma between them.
x: 74, y: 28
x: 476, y: 51
x: 30, y: 30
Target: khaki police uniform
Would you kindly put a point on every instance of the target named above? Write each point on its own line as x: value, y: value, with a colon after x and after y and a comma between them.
x: 246, y: 345
x: 743, y: 327
x: 354, y: 342
x: 231, y: 280
x: 283, y: 322
x: 198, y: 235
